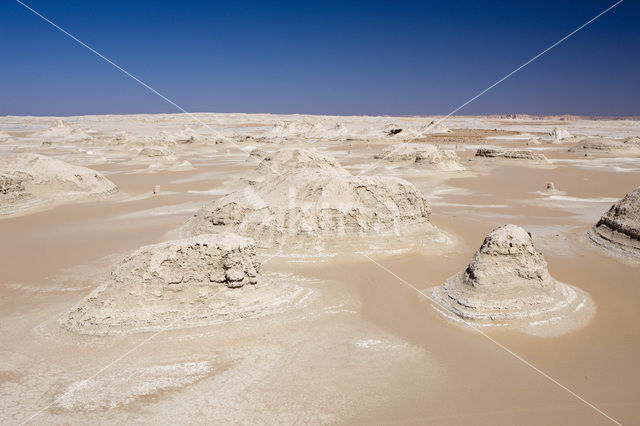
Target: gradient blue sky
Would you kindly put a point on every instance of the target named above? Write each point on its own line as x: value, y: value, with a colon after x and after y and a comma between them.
x: 370, y: 57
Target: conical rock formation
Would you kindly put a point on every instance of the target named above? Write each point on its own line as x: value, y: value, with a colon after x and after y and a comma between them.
x: 507, y: 281
x: 618, y: 230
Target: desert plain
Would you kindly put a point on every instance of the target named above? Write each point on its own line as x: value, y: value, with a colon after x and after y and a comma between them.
x: 268, y: 269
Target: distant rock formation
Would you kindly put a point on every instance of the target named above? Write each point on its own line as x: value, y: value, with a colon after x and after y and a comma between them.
x: 295, y: 158
x: 195, y: 281
x: 60, y: 129
x: 421, y: 154
x: 511, y: 154
x: 31, y: 180
x: 608, y: 146
x: 558, y: 135
x: 618, y: 230
x: 435, y: 127
x: 507, y: 280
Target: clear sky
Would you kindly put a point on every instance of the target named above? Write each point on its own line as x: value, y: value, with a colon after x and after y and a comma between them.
x: 369, y: 57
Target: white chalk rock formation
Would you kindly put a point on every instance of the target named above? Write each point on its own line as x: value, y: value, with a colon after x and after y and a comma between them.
x: 316, y: 130
x: 288, y: 129
x: 600, y: 145
x: 507, y: 281
x: 60, y: 129
x: 157, y: 151
x: 337, y: 132
x: 288, y: 159
x: 423, y: 155
x: 557, y: 135
x: 308, y: 205
x: 512, y: 154
x: 195, y: 281
x: 30, y: 180
x: 393, y: 129
x: 435, y: 127
x: 618, y: 230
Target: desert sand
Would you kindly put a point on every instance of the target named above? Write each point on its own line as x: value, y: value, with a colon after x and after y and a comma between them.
x: 253, y: 268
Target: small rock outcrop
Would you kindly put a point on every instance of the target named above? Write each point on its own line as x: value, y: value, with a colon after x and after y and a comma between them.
x: 421, y: 154
x: 435, y: 127
x: 195, y: 281
x: 511, y: 154
x: 12, y: 184
x: 552, y: 190
x: 30, y: 180
x: 618, y: 230
x: 507, y: 281
x: 557, y: 135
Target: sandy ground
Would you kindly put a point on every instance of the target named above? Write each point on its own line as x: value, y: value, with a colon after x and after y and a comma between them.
x: 364, y: 348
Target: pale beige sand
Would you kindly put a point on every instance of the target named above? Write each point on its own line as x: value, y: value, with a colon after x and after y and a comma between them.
x: 365, y: 348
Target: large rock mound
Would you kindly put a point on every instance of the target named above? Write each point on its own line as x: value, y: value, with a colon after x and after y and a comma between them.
x: 311, y: 204
x: 599, y: 145
x: 506, y: 281
x: 421, y: 154
x: 618, y: 230
x: 29, y: 180
x: 195, y: 281
x: 288, y: 159
x: 512, y: 154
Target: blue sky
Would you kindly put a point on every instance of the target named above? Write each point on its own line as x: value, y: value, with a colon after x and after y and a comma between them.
x: 396, y: 58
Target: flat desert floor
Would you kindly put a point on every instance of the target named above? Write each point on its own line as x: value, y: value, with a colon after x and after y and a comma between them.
x: 361, y: 346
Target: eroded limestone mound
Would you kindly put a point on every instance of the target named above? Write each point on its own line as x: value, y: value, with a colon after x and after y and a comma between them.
x: 423, y: 155
x: 434, y: 128
x: 30, y: 180
x: 507, y: 281
x: 512, y: 154
x: 295, y: 158
x: 599, y: 145
x: 618, y: 230
x: 558, y: 135
x: 308, y: 205
x: 195, y: 281
x: 60, y: 129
